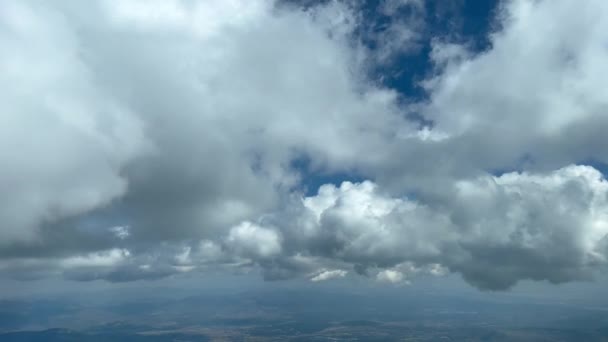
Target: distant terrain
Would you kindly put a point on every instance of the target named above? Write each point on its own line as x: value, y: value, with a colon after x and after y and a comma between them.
x: 302, y: 315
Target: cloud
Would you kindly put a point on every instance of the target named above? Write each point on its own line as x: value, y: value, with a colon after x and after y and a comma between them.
x: 248, y: 239
x: 143, y: 139
x: 390, y: 276
x: 534, y: 96
x: 121, y: 232
x: 328, y: 274
x: 64, y: 140
x: 523, y: 226
x: 193, y: 140
x: 105, y: 258
x: 494, y: 230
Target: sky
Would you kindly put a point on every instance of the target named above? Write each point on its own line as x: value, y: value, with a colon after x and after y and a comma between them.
x: 347, y: 141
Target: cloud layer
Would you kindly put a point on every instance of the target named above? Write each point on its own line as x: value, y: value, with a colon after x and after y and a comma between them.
x: 141, y: 139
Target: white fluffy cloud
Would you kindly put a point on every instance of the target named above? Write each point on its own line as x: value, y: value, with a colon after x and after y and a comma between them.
x: 140, y: 139
x: 64, y: 140
x: 535, y: 96
x: 390, y: 276
x: 250, y: 240
x: 328, y: 274
x: 495, y: 230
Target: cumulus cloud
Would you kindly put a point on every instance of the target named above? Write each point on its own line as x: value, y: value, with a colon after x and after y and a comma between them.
x: 248, y: 239
x: 390, y: 276
x: 142, y: 139
x: 64, y: 140
x: 328, y: 274
x: 549, y: 117
x: 494, y: 230
x: 121, y: 232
